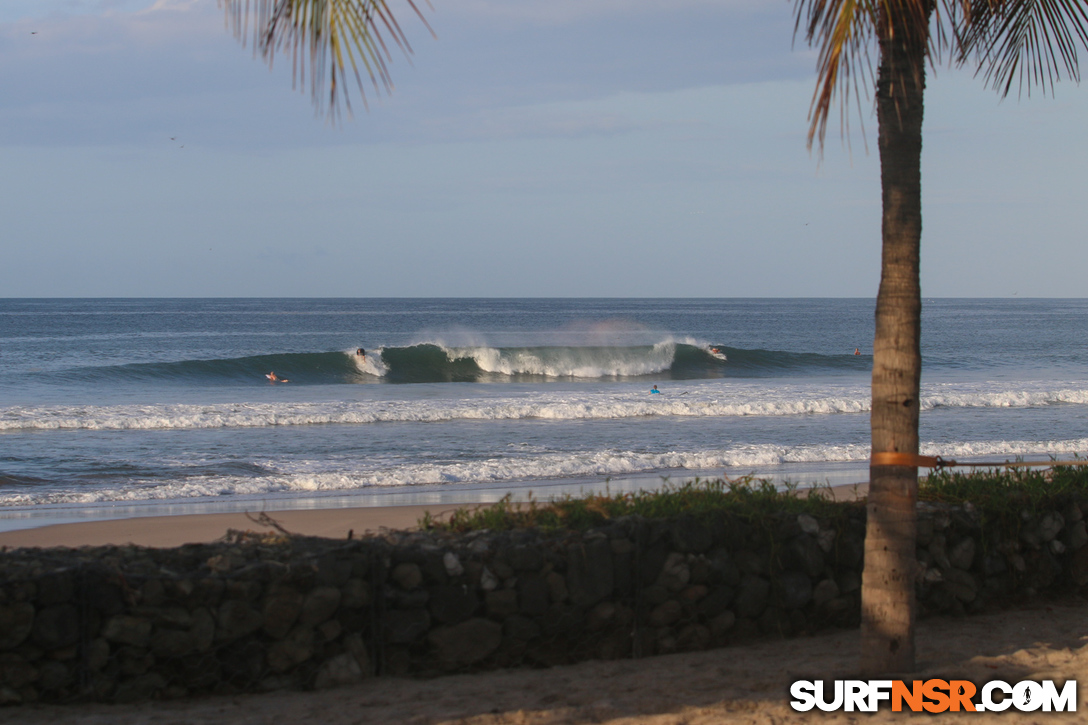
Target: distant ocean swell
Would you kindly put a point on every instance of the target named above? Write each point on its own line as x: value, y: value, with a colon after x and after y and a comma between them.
x: 432, y: 362
x: 696, y: 401
x: 194, y: 484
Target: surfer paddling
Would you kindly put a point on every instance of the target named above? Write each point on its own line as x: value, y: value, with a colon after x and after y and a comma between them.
x: 276, y: 378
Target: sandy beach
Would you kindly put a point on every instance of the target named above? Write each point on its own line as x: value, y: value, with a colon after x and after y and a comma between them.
x: 747, y: 684
x: 333, y: 523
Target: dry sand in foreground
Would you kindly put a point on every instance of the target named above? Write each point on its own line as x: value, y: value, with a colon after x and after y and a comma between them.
x: 736, y: 685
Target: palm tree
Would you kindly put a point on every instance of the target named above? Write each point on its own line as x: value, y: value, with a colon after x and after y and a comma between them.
x: 332, y: 35
x: 1031, y: 41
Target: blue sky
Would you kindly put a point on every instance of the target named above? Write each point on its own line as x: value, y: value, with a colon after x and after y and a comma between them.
x: 535, y: 148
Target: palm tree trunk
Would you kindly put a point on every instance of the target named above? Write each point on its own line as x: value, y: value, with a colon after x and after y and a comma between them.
x: 887, y: 593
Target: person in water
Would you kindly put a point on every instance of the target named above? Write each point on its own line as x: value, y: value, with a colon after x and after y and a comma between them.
x: 857, y: 351
x: 654, y: 390
x: 276, y: 378
x: 361, y: 353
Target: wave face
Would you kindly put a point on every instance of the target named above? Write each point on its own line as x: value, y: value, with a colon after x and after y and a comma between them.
x: 437, y: 363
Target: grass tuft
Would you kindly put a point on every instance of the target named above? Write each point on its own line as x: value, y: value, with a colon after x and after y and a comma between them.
x: 747, y: 497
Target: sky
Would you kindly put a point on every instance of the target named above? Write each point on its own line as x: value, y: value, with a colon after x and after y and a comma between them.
x: 531, y: 148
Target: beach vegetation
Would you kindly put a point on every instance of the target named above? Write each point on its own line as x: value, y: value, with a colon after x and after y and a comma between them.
x: 747, y: 497
x: 1011, y: 42
x: 1001, y: 496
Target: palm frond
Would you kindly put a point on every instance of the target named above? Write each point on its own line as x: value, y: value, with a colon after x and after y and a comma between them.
x: 1026, y: 42
x: 847, y: 32
x: 331, y: 36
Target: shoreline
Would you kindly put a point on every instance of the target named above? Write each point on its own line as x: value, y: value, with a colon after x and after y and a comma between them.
x: 333, y: 523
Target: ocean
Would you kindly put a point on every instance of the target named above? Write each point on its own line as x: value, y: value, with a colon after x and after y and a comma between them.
x: 121, y: 407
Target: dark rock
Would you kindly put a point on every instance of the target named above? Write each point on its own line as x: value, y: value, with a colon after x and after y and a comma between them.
x: 665, y: 614
x: 319, y: 605
x: 332, y: 572
x: 962, y: 553
x: 354, y: 594
x: 717, y: 601
x: 692, y: 638
x: 281, y: 610
x: 557, y: 586
x: 525, y: 558
x: 16, y: 623
x: 139, y: 688
x: 404, y: 626
x: 237, y: 618
x: 126, y: 629
x: 776, y: 623
x: 533, y: 594
x: 171, y: 643
x: 722, y: 623
x: 243, y: 663
x: 589, y: 573
x: 723, y: 570
x: 337, y: 671
x: 749, y: 562
x: 407, y: 575
x: 795, y: 589
x: 203, y: 630
x: 600, y: 616
x: 649, y: 562
x: 207, y: 592
x: 804, y: 554
x: 501, y: 603
x: 16, y: 671
x: 433, y: 568
x: 103, y: 595
x: 354, y: 644
x: 453, y: 603
x: 675, y: 573
x: 294, y: 649
x: 562, y: 620
x: 700, y: 570
x: 655, y: 595
x: 691, y: 534
x: 824, y: 592
x: 693, y: 594
x: 849, y: 581
x: 1078, y: 567
x: 413, y: 599
x: 849, y: 551
x: 55, y: 588
x: 808, y: 524
x: 752, y: 597
x: 97, y: 654
x: 133, y: 660
x: 993, y: 565
x: 1050, y: 525
x: 466, y: 643
x: 56, y: 627
x: 520, y: 628
x: 1076, y: 535
x: 197, y: 671
x: 54, y: 676
x: 171, y: 617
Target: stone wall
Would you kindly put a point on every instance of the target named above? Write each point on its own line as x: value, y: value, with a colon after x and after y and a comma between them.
x: 257, y: 613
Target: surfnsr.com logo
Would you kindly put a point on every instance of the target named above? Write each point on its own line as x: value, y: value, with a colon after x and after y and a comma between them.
x: 933, y: 696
